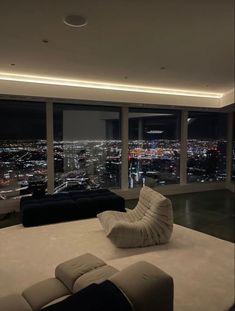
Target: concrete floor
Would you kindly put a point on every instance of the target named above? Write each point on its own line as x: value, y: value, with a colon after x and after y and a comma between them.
x: 211, y: 212
x: 10, y: 219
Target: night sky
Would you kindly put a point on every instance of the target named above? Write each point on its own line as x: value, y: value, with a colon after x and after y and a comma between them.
x: 21, y: 120
x: 207, y: 125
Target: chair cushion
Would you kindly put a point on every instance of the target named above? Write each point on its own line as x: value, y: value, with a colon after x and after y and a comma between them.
x: 94, y: 276
x: 42, y: 293
x: 151, y: 290
x: 151, y: 222
x: 109, y: 218
x: 69, y: 271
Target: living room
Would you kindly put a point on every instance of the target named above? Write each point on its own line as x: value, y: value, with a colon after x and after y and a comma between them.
x: 118, y: 96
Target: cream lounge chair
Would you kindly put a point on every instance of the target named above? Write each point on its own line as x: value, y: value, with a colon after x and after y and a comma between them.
x: 149, y: 223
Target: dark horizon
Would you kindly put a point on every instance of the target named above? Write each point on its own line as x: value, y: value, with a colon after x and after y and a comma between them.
x: 20, y: 120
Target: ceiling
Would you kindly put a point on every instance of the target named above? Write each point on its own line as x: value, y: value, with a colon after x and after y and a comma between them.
x: 173, y: 44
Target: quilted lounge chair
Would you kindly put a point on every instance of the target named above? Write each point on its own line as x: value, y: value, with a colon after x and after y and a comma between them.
x: 149, y: 223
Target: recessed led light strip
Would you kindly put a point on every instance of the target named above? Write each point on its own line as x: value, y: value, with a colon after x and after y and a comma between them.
x: 104, y: 85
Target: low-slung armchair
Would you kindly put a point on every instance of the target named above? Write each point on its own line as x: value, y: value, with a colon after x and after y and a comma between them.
x: 149, y: 223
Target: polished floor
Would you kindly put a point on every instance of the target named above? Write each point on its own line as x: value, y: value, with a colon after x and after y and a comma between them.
x: 211, y: 212
x: 10, y: 219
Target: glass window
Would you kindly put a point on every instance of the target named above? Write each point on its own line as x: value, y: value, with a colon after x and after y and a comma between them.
x: 207, y: 140
x: 154, y: 147
x: 87, y: 147
x: 23, y: 166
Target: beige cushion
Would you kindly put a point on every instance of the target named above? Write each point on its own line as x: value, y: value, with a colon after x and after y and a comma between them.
x: 42, y: 293
x: 144, y: 203
x: 107, y: 218
x: 94, y: 276
x: 146, y: 286
x: 151, y: 222
x: 14, y: 302
x: 68, y: 272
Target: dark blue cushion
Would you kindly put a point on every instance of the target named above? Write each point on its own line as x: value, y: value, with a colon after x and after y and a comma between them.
x: 68, y: 206
x: 95, y: 297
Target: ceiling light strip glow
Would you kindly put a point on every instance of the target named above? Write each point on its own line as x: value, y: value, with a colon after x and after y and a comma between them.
x: 104, y: 86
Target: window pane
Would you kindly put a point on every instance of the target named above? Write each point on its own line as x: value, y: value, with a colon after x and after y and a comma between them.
x: 154, y: 147
x: 233, y: 161
x: 207, y: 140
x: 23, y: 166
x: 87, y: 147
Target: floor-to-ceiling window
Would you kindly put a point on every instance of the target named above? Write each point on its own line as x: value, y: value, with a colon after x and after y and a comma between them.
x: 233, y: 152
x: 154, y: 147
x: 207, y: 139
x: 23, y: 163
x: 87, y: 147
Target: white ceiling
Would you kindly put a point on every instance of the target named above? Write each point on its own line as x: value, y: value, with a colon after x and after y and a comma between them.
x: 123, y: 42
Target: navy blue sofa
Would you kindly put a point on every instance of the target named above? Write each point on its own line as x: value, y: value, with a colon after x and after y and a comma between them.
x: 68, y: 206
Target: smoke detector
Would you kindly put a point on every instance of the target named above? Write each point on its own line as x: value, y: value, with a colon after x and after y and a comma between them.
x: 75, y: 20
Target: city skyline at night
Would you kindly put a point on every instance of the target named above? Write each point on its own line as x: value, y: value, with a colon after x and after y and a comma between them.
x: 88, y: 146
x: 100, y: 162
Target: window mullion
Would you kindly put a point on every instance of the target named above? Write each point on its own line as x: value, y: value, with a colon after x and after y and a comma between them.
x: 183, y: 147
x: 124, y: 138
x: 50, y: 147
